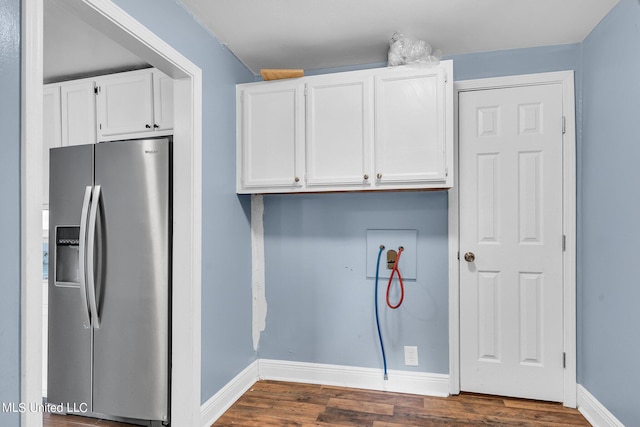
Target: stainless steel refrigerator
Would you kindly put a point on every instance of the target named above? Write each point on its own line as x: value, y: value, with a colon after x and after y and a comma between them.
x: 110, y: 280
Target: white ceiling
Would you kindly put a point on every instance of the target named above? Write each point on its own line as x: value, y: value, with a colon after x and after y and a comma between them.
x: 313, y: 34
x: 73, y: 49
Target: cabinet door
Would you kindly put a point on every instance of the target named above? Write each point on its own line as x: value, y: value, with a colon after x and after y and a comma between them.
x: 162, y: 101
x: 271, y: 132
x: 124, y: 104
x: 410, y: 126
x: 339, y: 130
x: 78, y: 113
x: 51, y: 132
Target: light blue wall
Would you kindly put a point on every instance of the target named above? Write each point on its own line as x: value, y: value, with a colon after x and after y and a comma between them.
x: 10, y: 209
x: 516, y: 61
x: 227, y: 346
x: 610, y: 289
x: 320, y: 304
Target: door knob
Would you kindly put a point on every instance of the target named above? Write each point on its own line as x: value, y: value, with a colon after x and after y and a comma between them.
x: 469, y: 257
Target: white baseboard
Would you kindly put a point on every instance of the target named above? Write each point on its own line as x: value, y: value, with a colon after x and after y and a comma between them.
x: 213, y: 408
x: 594, y: 411
x: 355, y: 377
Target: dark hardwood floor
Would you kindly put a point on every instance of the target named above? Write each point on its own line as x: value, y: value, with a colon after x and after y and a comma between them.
x: 281, y: 404
x: 270, y: 403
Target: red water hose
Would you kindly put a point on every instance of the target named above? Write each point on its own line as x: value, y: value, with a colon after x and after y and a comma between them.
x: 393, y: 271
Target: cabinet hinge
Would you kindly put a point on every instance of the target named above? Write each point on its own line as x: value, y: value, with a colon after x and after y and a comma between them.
x: 564, y: 360
x: 564, y: 125
x: 458, y: 255
x: 305, y: 90
x: 95, y: 90
x: 564, y: 243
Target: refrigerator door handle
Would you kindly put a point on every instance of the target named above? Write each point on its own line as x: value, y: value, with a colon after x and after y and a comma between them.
x: 91, y: 286
x: 82, y: 254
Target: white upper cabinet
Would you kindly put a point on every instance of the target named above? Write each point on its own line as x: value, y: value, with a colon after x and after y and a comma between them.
x: 379, y: 129
x: 339, y: 120
x: 78, y: 112
x: 51, y: 132
x: 134, y: 105
x: 270, y: 136
x: 124, y: 104
x: 411, y: 127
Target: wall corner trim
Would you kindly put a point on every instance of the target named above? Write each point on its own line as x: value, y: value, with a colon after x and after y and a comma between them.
x: 213, y: 408
x: 594, y: 411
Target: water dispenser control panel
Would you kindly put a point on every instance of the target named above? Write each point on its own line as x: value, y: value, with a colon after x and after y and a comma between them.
x: 67, y: 256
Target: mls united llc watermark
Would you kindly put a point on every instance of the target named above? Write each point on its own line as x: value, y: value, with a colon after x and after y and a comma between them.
x: 61, y: 408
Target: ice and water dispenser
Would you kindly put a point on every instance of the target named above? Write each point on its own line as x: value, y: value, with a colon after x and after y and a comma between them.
x: 67, y: 256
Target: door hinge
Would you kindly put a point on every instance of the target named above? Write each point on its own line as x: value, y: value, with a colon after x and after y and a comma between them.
x: 564, y: 360
x: 564, y: 125
x: 564, y: 243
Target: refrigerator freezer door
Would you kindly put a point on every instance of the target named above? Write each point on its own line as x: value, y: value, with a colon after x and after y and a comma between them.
x: 131, y: 348
x: 69, y: 358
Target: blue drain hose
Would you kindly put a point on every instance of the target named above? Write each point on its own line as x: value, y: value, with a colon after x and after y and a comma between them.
x: 384, y: 357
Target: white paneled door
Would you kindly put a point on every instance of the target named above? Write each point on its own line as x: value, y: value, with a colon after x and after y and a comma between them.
x: 511, y: 241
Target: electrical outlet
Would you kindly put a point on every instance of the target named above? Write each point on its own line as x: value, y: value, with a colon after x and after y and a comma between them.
x: 411, y: 355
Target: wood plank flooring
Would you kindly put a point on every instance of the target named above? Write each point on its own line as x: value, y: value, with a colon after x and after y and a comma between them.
x: 270, y: 403
x: 281, y: 404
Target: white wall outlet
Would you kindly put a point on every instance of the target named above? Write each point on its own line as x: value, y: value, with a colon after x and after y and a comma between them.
x: 411, y: 355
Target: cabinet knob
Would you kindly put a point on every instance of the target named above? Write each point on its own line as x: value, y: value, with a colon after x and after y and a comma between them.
x: 379, y: 175
x: 297, y: 179
x: 155, y: 126
x: 366, y: 176
x: 147, y: 126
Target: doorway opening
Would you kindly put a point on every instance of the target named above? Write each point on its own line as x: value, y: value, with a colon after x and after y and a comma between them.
x: 116, y: 24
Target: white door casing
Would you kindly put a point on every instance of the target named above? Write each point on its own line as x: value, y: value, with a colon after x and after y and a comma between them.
x: 51, y: 134
x: 521, y: 221
x: 511, y: 236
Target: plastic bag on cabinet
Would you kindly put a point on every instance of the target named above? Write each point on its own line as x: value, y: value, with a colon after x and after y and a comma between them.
x: 408, y: 50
